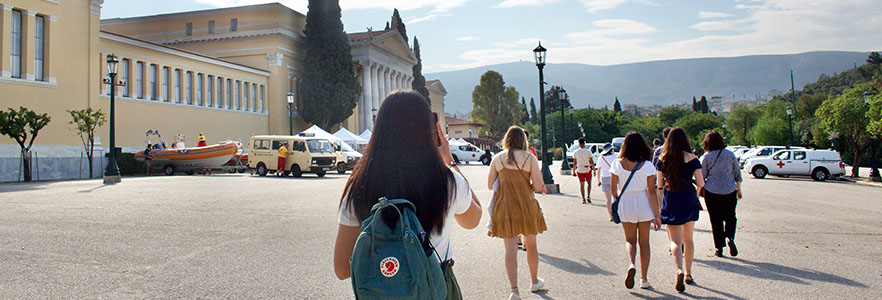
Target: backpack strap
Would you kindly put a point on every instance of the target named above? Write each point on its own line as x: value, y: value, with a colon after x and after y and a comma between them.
x: 384, y: 203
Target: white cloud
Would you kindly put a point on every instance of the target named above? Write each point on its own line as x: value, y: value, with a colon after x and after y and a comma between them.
x: 737, y: 25
x: 594, y: 6
x: 517, y: 3
x: 467, y: 38
x: 428, y: 17
x: 609, y: 28
x: 439, y: 6
x: 713, y: 15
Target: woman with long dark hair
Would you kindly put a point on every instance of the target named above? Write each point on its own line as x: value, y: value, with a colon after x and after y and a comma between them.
x: 638, y: 205
x: 515, y: 210
x: 405, y: 160
x: 677, y: 169
x: 722, y: 190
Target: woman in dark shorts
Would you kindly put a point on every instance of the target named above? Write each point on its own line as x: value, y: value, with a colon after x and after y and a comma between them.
x: 677, y: 169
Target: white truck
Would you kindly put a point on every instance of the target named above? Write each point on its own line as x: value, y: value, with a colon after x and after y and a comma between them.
x: 819, y: 164
x: 762, y: 151
x: 468, y: 153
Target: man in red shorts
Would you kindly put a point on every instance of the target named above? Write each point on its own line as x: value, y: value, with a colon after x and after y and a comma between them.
x: 584, y: 163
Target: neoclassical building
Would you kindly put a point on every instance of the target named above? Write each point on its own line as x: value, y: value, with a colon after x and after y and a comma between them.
x: 222, y: 72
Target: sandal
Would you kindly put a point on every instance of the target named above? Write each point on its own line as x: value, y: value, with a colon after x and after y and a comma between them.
x: 689, y: 279
x: 680, y: 286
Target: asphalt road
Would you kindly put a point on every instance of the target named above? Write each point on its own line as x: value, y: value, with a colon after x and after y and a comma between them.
x: 246, y: 237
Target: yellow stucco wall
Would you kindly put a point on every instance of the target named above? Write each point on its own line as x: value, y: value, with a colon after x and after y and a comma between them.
x: 71, y: 71
x: 437, y: 97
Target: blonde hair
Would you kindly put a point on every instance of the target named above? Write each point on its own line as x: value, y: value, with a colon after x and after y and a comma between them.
x: 515, y: 139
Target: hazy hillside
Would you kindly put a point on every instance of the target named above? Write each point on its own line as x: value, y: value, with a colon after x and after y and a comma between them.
x: 656, y: 82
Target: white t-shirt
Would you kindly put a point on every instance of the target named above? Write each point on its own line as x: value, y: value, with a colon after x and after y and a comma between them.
x: 638, y: 183
x: 604, y: 164
x: 460, y: 202
x: 583, y: 159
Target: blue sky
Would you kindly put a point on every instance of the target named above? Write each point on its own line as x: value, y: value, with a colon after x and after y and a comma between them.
x: 459, y: 34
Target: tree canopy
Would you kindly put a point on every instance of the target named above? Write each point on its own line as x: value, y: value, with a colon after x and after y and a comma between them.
x: 495, y: 105
x: 85, y: 122
x: 846, y: 115
x: 20, y: 125
x: 419, y: 81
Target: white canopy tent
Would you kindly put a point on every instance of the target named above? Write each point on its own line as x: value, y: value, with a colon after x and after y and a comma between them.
x: 366, y: 134
x: 350, y: 138
x: 321, y: 133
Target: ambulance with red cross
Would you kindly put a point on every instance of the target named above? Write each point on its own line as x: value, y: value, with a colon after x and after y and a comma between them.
x: 819, y: 164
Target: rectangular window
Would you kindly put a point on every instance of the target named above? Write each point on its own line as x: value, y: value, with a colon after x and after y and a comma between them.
x: 199, y: 89
x: 139, y: 79
x: 177, y: 84
x: 15, y: 54
x: 261, y: 98
x: 106, y: 75
x: 234, y: 24
x: 154, y: 76
x: 209, y: 91
x: 220, y: 92
x: 39, y: 47
x: 188, y: 91
x: 229, y: 94
x: 189, y: 29
x: 166, y: 73
x: 211, y: 27
x: 254, y: 97
x: 124, y: 76
x: 247, y: 107
x: 238, y: 95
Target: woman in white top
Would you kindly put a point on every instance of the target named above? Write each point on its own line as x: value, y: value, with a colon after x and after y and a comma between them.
x: 407, y: 158
x: 604, y: 164
x: 638, y: 204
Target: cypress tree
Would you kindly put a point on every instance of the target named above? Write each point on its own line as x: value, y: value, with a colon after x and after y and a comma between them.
x: 525, y: 115
x: 617, y: 107
x: 387, y: 26
x: 533, y: 113
x: 702, y: 105
x: 329, y: 87
x: 397, y: 23
x: 419, y: 81
x: 694, y: 104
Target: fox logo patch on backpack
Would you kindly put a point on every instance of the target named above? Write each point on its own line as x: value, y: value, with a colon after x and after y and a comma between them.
x: 392, y: 262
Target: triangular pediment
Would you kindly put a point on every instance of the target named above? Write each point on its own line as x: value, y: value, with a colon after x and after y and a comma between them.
x: 395, y: 43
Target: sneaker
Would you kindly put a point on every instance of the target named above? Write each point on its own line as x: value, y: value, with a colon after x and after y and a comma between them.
x: 589, y: 200
x: 732, y: 249
x: 583, y: 201
x: 514, y: 296
x: 680, y: 286
x: 538, y: 285
x: 718, y: 252
x: 629, y: 280
x: 644, y: 284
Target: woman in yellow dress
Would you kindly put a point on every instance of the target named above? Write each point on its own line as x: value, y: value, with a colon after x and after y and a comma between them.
x: 516, y: 211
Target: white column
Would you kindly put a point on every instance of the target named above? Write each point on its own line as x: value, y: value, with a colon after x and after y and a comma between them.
x: 375, y: 90
x: 398, y: 85
x: 367, y: 103
x: 387, y: 82
x: 409, y: 82
x: 392, y: 84
x: 404, y: 82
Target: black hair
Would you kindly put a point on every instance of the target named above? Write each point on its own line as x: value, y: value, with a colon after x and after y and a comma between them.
x: 635, y: 149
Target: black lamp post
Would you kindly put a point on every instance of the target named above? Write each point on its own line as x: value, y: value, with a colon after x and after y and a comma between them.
x: 539, y: 55
x: 874, y: 171
x: 374, y: 114
x: 290, y: 97
x: 562, y: 95
x: 790, y: 122
x: 111, y: 173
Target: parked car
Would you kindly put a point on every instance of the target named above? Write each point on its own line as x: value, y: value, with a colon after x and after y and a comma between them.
x: 763, y: 151
x: 593, y: 147
x: 617, y: 144
x: 469, y: 153
x: 348, y: 157
x: 819, y: 164
x: 739, y: 152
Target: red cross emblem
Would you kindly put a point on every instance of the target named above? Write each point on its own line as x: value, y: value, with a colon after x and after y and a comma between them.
x: 473, y: 155
x: 781, y: 164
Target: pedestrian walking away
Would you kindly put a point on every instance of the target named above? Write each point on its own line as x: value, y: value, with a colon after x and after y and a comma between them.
x: 584, y: 163
x: 404, y: 128
x: 516, y: 211
x: 677, y: 169
x: 722, y: 190
x: 633, y: 181
x: 604, y: 164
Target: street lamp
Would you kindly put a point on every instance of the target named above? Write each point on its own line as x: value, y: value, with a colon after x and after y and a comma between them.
x: 374, y: 115
x: 874, y: 171
x: 572, y: 121
x: 290, y: 113
x: 539, y: 55
x: 790, y: 121
x: 561, y: 95
x: 111, y: 173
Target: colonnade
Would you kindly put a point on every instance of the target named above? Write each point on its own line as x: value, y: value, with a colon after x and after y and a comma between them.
x: 377, y: 81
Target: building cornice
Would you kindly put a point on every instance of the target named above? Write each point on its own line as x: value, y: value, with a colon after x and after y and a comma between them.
x: 232, y: 35
x: 207, y: 12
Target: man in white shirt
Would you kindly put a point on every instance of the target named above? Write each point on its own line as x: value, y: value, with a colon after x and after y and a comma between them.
x: 584, y: 164
x: 604, y: 164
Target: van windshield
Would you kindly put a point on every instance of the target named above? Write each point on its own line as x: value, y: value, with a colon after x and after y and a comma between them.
x: 347, y: 148
x: 320, y: 146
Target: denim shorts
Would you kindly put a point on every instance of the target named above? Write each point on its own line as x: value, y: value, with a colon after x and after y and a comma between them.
x: 605, y: 184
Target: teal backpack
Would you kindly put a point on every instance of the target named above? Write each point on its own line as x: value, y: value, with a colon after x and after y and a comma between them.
x: 395, y: 262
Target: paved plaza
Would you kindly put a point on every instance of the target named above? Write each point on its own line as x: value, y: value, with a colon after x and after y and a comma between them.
x: 235, y: 236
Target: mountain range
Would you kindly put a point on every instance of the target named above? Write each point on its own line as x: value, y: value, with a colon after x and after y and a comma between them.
x: 661, y: 82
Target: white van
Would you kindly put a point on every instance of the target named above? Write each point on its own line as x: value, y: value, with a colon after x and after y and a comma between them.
x: 306, y: 154
x: 819, y: 164
x: 593, y: 147
x: 617, y: 144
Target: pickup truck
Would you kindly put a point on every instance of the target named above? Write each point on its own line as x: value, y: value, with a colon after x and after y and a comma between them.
x: 762, y: 152
x: 467, y: 153
x: 819, y: 164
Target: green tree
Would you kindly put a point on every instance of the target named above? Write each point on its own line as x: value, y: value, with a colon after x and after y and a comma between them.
x: 740, y: 121
x: 329, y: 88
x: 398, y: 24
x: 419, y: 81
x: 808, y: 104
x: 387, y: 26
x: 617, y: 107
x: 85, y: 122
x: 19, y: 125
x: 874, y: 58
x: 495, y: 105
x: 694, y: 104
x: 694, y: 124
x: 670, y: 115
x: 533, y: 114
x: 702, y: 105
x: 770, y: 131
x: 846, y: 115
x: 553, y: 101
x: 525, y: 115
x: 649, y: 127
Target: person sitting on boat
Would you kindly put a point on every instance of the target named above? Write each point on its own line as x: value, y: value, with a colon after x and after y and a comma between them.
x: 283, y: 155
x: 201, y: 140
x: 179, y: 142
